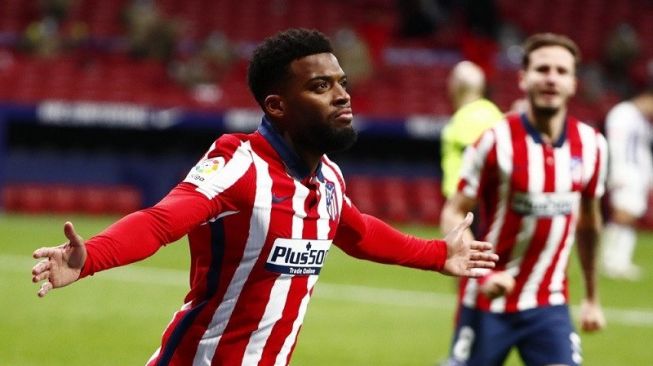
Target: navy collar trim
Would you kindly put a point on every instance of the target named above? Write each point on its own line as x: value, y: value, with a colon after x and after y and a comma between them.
x: 295, y: 166
x: 535, y: 134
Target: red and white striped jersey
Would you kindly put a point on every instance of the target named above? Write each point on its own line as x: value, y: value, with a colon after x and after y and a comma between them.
x: 260, y: 226
x: 529, y: 194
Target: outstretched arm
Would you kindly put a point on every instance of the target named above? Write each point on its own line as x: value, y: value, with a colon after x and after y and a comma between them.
x: 133, y: 238
x: 366, y: 237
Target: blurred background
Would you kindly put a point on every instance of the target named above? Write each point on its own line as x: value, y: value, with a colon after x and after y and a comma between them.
x: 106, y: 104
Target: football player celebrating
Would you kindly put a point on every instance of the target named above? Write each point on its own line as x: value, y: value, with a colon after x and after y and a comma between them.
x: 261, y: 211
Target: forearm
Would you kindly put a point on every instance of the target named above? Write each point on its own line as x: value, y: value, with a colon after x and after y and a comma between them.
x: 133, y: 238
x: 587, y: 242
x: 378, y: 242
x: 141, y: 234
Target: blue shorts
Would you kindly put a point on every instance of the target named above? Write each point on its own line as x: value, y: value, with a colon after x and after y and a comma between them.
x: 543, y: 336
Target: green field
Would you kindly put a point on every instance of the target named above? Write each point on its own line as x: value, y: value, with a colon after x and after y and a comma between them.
x: 361, y: 313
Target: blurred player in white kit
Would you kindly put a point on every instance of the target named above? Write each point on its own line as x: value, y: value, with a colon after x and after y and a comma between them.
x: 629, y: 133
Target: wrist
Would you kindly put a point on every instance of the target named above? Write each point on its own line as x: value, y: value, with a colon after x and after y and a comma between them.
x: 440, y: 254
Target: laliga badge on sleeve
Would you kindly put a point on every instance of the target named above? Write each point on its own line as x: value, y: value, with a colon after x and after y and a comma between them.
x: 204, y: 169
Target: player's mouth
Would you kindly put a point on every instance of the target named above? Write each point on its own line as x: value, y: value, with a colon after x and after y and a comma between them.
x: 550, y: 93
x: 344, y: 115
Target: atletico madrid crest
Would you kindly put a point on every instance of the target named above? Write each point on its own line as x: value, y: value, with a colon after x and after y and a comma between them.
x: 332, y: 201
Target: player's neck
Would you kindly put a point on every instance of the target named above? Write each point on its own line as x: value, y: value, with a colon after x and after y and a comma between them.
x: 548, y: 125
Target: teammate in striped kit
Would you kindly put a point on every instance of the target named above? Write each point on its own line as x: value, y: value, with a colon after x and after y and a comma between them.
x: 261, y: 211
x: 538, y: 178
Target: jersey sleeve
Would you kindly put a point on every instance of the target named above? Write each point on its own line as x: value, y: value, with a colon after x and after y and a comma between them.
x: 212, y: 186
x: 476, y: 160
x: 140, y: 234
x: 366, y: 237
x: 595, y: 187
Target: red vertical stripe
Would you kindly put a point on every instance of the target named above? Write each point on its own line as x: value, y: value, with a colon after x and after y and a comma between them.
x: 573, y: 139
x: 255, y: 294
x: 489, y: 197
x: 575, y: 149
x: 201, y: 257
x: 519, y: 183
x: 299, y: 288
x: 544, y: 291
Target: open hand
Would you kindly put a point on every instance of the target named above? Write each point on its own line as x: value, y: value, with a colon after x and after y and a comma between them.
x: 468, y: 258
x: 61, y: 265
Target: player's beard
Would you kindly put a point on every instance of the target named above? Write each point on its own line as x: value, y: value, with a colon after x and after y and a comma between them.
x: 325, y: 139
x: 545, y: 111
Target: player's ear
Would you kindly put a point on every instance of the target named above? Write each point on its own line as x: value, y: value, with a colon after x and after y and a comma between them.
x: 274, y: 105
x: 521, y: 82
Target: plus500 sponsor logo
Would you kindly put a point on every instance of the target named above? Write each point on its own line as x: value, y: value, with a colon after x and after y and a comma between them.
x: 297, y: 256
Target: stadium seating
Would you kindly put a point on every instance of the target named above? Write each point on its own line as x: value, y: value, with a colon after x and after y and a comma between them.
x: 89, y: 199
x: 103, y: 71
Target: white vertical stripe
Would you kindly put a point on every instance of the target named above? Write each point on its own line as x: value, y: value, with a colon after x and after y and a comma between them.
x: 273, y: 312
x: 504, y: 162
x: 524, y: 234
x: 280, y: 289
x: 282, y: 357
x: 474, y: 158
x: 536, y: 165
x: 528, y: 297
x: 258, y: 229
x: 501, y: 141
x: 298, y: 204
x: 323, y: 229
x: 536, y: 180
x: 563, y: 174
x: 559, y: 273
x: 589, y: 146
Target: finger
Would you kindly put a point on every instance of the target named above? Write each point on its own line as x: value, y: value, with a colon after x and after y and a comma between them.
x: 41, y: 276
x: 44, y: 252
x: 45, y: 288
x: 467, y: 222
x: 481, y: 245
x: 41, y: 266
x: 480, y: 264
x: 69, y: 231
x: 476, y: 256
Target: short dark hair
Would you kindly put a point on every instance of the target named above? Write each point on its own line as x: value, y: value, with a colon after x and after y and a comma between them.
x: 270, y: 63
x: 548, y: 39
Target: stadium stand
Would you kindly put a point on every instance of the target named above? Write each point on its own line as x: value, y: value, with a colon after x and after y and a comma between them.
x: 91, y: 55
